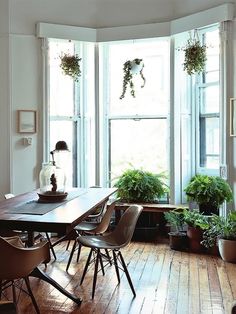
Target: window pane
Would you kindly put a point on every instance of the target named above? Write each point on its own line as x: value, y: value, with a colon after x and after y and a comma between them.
x: 153, y: 98
x: 212, y: 64
x: 142, y: 144
x: 209, y: 149
x: 209, y: 97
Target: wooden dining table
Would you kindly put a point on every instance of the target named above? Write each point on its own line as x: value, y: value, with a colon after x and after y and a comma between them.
x: 27, y: 213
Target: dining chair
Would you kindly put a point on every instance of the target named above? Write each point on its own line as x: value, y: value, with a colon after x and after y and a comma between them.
x: 92, y: 228
x: 23, y: 235
x: 114, y: 241
x: 17, y: 262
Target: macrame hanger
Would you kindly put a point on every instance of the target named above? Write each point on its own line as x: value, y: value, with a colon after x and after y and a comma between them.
x: 196, y: 36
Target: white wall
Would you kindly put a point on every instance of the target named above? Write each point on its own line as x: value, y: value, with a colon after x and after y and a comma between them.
x: 23, y: 89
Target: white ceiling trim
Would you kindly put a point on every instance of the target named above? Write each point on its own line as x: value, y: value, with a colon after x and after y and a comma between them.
x: 217, y: 14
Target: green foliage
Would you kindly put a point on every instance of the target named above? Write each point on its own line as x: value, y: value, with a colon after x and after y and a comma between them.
x: 128, y: 76
x: 219, y: 227
x: 194, y: 57
x: 70, y: 64
x: 206, y: 189
x: 176, y: 219
x: 195, y: 219
x: 140, y: 186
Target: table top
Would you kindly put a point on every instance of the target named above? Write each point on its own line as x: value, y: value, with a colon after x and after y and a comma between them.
x: 60, y: 219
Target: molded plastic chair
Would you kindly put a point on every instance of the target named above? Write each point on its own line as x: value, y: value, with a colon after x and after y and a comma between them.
x: 17, y: 262
x: 23, y: 235
x: 114, y: 241
x: 92, y: 228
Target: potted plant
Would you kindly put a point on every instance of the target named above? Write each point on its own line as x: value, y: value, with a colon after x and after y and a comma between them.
x: 139, y: 186
x: 221, y: 231
x: 196, y: 222
x: 177, y: 235
x: 131, y: 68
x: 194, y: 56
x: 70, y: 65
x: 209, y: 192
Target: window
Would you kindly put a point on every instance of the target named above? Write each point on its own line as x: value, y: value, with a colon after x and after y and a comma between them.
x: 136, y: 130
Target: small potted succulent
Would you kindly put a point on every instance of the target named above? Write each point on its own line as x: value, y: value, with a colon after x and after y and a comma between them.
x: 131, y: 68
x: 177, y: 235
x: 209, y: 192
x: 70, y: 65
x: 194, y: 56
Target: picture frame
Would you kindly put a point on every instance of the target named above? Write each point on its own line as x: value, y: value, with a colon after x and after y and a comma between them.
x: 27, y: 121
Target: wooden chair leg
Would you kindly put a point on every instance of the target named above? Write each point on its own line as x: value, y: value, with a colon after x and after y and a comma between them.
x: 127, y: 273
x: 14, y: 293
x: 86, y: 266
x: 116, y: 266
x: 31, y: 295
x: 108, y: 256
x: 50, y: 245
x: 68, y: 244
x: 71, y: 255
x: 95, y: 272
x: 78, y: 254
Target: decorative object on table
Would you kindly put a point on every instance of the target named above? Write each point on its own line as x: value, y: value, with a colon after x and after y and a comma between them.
x: 52, y: 178
x: 194, y: 55
x: 70, y: 65
x: 177, y: 235
x: 27, y: 121
x: 130, y: 69
x: 196, y: 222
x: 209, y: 192
x: 221, y: 231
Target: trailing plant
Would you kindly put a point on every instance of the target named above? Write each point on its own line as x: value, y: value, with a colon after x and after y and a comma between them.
x: 70, y: 65
x: 212, y: 190
x: 130, y: 69
x: 140, y: 186
x: 194, y: 56
x: 219, y: 227
x: 175, y: 218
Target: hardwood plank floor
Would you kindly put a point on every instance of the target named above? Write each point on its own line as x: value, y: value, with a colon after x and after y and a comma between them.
x: 166, y: 281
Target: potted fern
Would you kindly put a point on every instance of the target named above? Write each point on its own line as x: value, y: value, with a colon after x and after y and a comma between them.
x: 130, y: 69
x: 70, y: 65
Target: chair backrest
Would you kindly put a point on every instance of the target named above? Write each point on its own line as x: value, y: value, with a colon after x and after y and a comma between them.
x: 17, y: 261
x: 124, y: 230
x: 106, y: 218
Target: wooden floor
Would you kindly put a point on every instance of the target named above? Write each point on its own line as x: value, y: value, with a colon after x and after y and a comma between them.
x: 166, y: 281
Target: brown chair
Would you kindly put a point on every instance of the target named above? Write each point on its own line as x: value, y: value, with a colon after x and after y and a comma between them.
x: 114, y: 241
x: 23, y: 235
x: 92, y: 228
x: 17, y: 262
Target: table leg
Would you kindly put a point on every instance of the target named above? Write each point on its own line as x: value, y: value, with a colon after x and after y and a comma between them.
x: 38, y: 273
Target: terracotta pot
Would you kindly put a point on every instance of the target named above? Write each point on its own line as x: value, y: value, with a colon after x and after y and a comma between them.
x: 195, y: 238
x: 227, y: 249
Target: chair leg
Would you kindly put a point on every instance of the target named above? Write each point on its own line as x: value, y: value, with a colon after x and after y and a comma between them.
x: 31, y: 295
x: 127, y: 273
x: 50, y: 245
x: 78, y: 254
x: 68, y: 244
x: 95, y: 272
x: 14, y: 293
x: 86, y: 266
x: 71, y: 255
x: 116, y: 266
x: 108, y: 256
x: 101, y: 263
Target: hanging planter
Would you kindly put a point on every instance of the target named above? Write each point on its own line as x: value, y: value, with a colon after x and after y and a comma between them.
x: 70, y: 65
x: 131, y: 68
x: 194, y: 55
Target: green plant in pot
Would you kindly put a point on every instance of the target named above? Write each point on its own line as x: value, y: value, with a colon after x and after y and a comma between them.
x: 221, y: 231
x: 177, y: 235
x: 137, y: 185
x: 209, y: 192
x: 70, y: 65
x: 196, y: 222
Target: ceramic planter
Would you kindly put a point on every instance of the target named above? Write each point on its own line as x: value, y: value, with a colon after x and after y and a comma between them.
x: 227, y: 249
x: 195, y: 238
x: 177, y: 240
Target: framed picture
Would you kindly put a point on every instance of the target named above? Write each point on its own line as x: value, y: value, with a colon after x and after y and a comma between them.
x: 27, y: 121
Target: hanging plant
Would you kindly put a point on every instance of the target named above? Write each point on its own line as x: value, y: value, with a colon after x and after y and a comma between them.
x: 131, y: 68
x: 70, y: 65
x: 194, y: 56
